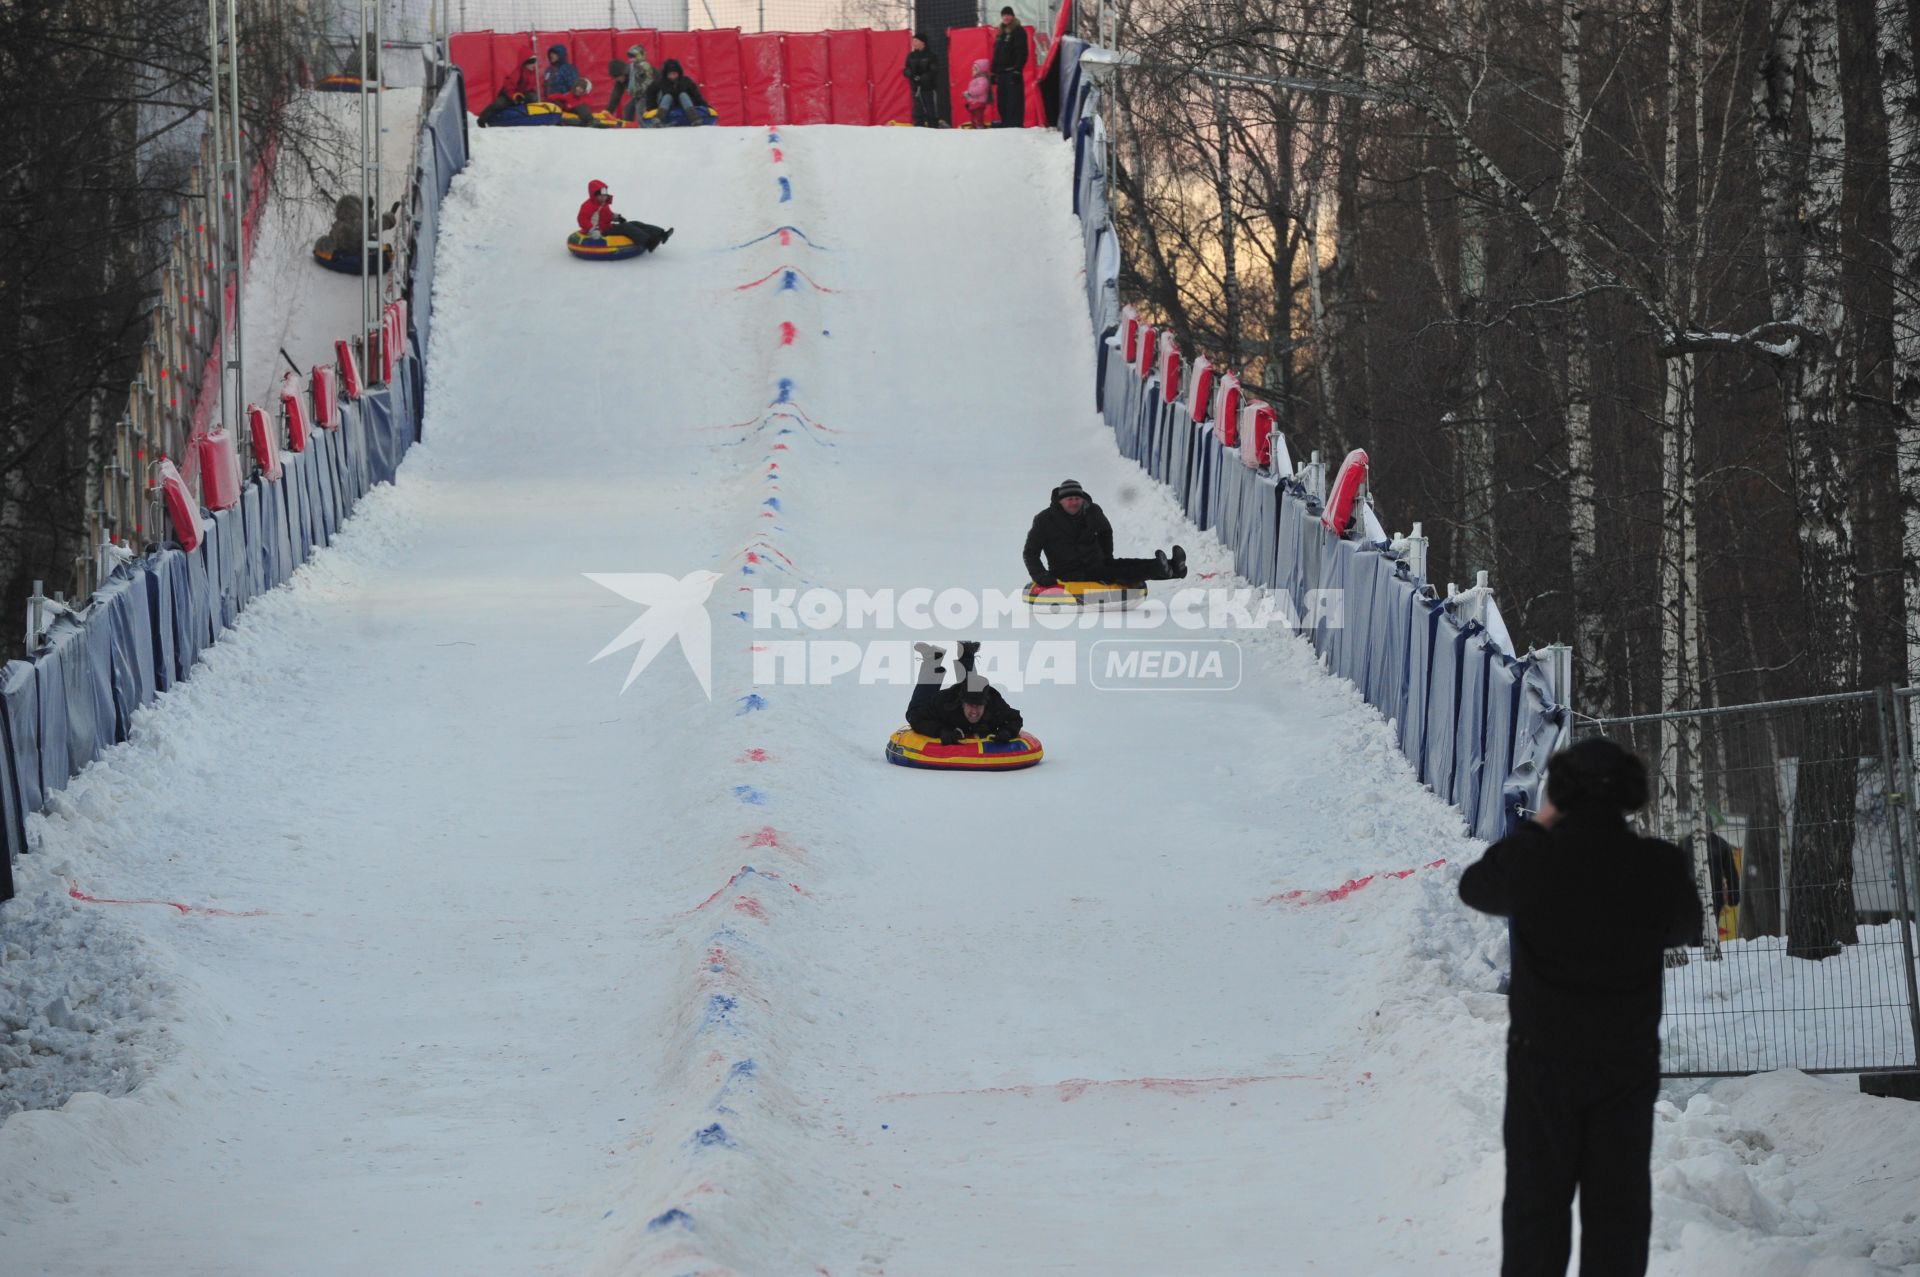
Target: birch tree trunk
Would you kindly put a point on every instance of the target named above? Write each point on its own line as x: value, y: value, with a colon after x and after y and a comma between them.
x: 1347, y: 349
x: 1590, y: 619
x: 1900, y: 99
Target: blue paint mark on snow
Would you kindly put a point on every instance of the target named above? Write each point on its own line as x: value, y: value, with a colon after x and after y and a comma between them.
x: 751, y: 702
x: 790, y: 282
x: 668, y: 1219
x: 785, y: 386
x: 748, y: 794
x: 786, y: 190
x: 743, y: 616
x: 709, y: 1136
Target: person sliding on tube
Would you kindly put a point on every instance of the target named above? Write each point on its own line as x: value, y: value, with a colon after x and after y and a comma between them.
x: 597, y: 220
x: 971, y: 707
x: 676, y: 98
x: 1077, y: 542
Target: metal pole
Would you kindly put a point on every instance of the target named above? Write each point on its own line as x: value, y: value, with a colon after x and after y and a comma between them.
x: 369, y: 230
x: 235, y: 350
x: 216, y: 204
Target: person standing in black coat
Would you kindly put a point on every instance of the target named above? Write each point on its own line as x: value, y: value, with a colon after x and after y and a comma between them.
x: 1009, y: 71
x: 1594, y: 907
x: 1076, y: 540
x: 923, y: 77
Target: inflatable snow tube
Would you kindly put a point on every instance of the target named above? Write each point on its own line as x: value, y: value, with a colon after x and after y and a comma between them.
x: 1096, y: 596
x: 908, y: 748
x: 347, y: 262
x: 611, y: 249
x: 656, y: 119
x: 340, y: 84
x: 547, y: 113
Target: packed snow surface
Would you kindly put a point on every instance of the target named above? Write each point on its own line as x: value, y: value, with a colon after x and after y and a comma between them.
x: 406, y: 942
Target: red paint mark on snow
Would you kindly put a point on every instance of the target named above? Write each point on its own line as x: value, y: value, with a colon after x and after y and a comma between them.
x: 1074, y: 1088
x: 207, y: 911
x: 779, y: 157
x: 786, y: 238
x: 765, y: 836
x: 749, y: 906
x: 787, y: 333
x: 781, y: 447
x: 1346, y: 888
x: 755, y: 756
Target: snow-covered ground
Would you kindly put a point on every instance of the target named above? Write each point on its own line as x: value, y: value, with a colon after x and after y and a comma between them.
x: 411, y: 945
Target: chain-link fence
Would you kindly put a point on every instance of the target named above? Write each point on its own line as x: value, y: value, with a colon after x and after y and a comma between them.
x: 1797, y: 815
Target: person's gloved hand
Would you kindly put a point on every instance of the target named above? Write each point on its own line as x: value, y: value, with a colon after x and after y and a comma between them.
x: 1046, y: 580
x: 951, y: 736
x: 1005, y: 737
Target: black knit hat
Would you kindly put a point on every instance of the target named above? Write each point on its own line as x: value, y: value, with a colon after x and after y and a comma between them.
x: 1069, y: 488
x: 1596, y: 773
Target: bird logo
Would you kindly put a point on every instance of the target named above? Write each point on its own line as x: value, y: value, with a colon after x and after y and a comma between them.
x: 676, y: 609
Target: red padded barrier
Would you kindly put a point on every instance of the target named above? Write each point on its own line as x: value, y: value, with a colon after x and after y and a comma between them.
x: 1200, y: 389
x: 680, y: 47
x: 719, y: 77
x: 850, y: 92
x: 266, y: 442
x: 1143, y: 364
x: 591, y: 51
x: 886, y: 58
x: 1339, y: 513
x: 808, y: 99
x: 1060, y: 25
x: 965, y: 46
x: 349, y: 369
x: 1130, y: 326
x: 1226, y: 417
x: 293, y: 406
x: 182, y: 509
x: 1256, y: 435
x: 760, y: 73
x: 219, y: 469
x: 1036, y: 110
x: 472, y: 52
x: 326, y: 397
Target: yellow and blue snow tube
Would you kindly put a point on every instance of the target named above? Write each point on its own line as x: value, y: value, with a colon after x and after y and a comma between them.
x: 347, y: 262
x: 611, y: 249
x: 1095, y: 596
x: 908, y: 748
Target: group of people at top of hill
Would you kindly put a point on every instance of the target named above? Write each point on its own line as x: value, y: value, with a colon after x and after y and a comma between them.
x: 1000, y: 81
x: 636, y: 90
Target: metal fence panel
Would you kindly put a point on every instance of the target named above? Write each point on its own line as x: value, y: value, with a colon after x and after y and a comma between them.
x: 1798, y: 817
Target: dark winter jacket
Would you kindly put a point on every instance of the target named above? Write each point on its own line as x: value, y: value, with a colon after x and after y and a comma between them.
x: 1010, y: 49
x: 561, y: 76
x: 1078, y: 547
x: 942, y: 711
x: 1594, y: 908
x: 672, y: 82
x: 920, y: 70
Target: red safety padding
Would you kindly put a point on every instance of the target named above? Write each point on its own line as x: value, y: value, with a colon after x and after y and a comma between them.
x: 850, y: 87
x: 387, y: 343
x: 1130, y: 328
x: 326, y: 397
x: 293, y: 406
x: 680, y: 46
x: 761, y: 74
x: 886, y: 58
x: 1200, y: 389
x: 1339, y: 514
x: 965, y: 46
x: 1060, y: 25
x: 1170, y: 366
x: 219, y: 469
x: 1256, y: 434
x: 591, y: 51
x: 182, y: 510
x: 266, y: 442
x: 1226, y: 417
x: 472, y: 52
x: 350, y: 384
x: 1036, y: 109
x: 1149, y: 343
x: 809, y: 101
x: 719, y: 77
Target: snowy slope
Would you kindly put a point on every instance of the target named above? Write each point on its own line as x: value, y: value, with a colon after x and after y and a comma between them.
x: 488, y: 968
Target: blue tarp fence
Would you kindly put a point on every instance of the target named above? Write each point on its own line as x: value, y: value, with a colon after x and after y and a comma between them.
x: 1476, y: 720
x: 143, y: 629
